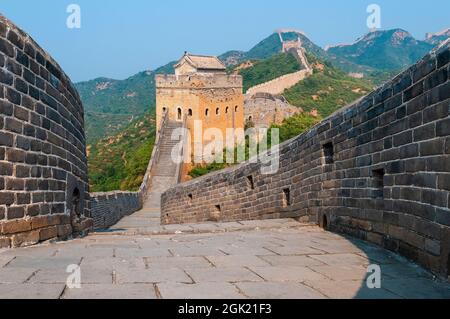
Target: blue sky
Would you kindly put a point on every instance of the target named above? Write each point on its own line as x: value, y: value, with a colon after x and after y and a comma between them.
x: 120, y: 38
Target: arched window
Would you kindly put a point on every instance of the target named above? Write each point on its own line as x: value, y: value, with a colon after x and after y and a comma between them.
x: 164, y: 109
x: 190, y: 112
x: 250, y: 118
x: 180, y: 114
x: 217, y: 111
x: 207, y: 112
x: 236, y: 109
x: 227, y: 110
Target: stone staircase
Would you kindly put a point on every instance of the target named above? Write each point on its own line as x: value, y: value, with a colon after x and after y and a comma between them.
x: 165, y: 165
x: 148, y: 219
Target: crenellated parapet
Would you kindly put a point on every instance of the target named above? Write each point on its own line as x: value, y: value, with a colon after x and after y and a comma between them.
x: 198, y: 81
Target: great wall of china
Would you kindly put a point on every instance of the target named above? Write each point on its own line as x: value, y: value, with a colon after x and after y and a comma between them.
x: 378, y: 169
x: 279, y: 85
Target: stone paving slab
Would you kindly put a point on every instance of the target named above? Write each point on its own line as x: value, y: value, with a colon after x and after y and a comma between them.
x: 206, y: 290
x: 177, y: 262
x: 110, y: 291
x: 302, y: 261
x: 145, y: 276
x: 287, y: 274
x: 15, y: 275
x: 224, y: 274
x: 237, y: 261
x: 144, y: 225
x: 29, y: 291
x: 276, y: 290
x: 293, y: 262
x: 42, y: 263
x: 341, y: 272
x: 4, y: 260
x: 342, y: 259
x: 351, y: 289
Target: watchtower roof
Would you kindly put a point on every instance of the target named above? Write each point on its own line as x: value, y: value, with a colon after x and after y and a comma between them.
x: 202, y: 62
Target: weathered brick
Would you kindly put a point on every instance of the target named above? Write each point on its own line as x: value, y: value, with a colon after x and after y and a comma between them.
x: 15, y: 212
x: 14, y: 155
x: 15, y: 226
x: 6, y: 77
x: 25, y: 239
x: 23, y: 198
x: 6, y: 139
x: 15, y: 39
x: 444, y: 181
x: 6, y: 108
x: 6, y: 47
x: 436, y: 112
x: 436, y: 79
x: 433, y: 147
x: 48, y: 233
x: 414, y: 91
x: 5, y: 242
x: 7, y: 198
x: 443, y: 127
x: 13, y: 96
x: 64, y: 231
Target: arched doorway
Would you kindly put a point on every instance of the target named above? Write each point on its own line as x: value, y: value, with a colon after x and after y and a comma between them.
x: 179, y: 114
x: 75, y: 209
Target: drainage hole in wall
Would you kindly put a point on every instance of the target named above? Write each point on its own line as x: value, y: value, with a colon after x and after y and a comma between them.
x: 328, y: 153
x: 286, y: 197
x: 378, y: 183
x: 250, y: 182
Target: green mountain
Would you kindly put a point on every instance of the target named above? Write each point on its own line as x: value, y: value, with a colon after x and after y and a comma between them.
x: 384, y: 50
x: 437, y: 38
x: 327, y: 90
x: 272, y: 45
x: 119, y: 162
x: 269, y: 69
x: 110, y: 105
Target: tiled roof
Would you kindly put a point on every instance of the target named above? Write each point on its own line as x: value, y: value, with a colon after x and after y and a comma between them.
x: 203, y: 62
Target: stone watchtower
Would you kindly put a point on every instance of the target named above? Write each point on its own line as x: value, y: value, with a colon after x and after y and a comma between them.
x: 201, y: 90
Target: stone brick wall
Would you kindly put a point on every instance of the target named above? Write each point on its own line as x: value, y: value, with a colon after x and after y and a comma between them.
x: 378, y: 169
x: 109, y: 208
x: 279, y: 85
x: 263, y: 109
x: 43, y: 171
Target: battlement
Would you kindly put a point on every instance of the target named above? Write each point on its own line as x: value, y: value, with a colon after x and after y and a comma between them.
x: 198, y: 81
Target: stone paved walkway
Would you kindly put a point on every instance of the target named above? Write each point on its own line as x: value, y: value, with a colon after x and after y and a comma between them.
x: 281, y: 260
